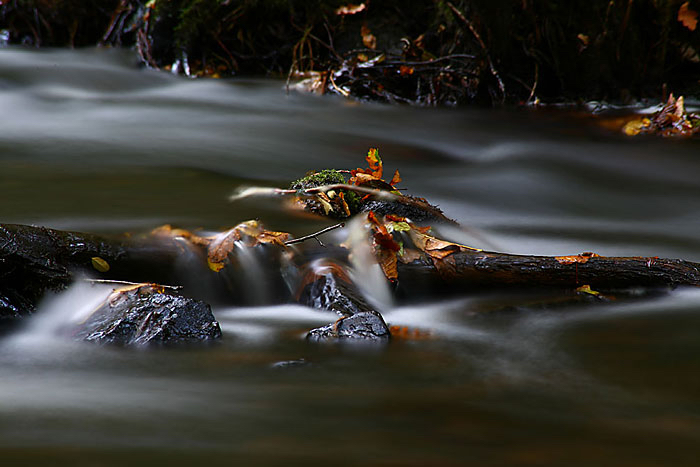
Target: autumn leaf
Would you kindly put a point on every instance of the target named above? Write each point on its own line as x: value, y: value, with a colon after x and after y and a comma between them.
x: 368, y: 39
x: 99, y: 264
x: 635, y: 127
x: 688, y: 17
x: 582, y: 258
x: 375, y: 162
x: 405, y: 333
x: 435, y: 247
x: 409, y: 255
x: 246, y: 234
x: 350, y: 9
x: 587, y: 290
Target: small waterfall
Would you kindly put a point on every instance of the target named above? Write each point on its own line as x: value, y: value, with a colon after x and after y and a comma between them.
x: 366, y: 273
x: 253, y: 281
x: 58, y: 312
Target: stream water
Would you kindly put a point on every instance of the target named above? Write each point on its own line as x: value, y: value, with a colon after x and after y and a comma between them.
x: 89, y: 141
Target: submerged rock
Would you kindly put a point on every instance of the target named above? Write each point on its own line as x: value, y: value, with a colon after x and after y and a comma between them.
x: 149, y: 313
x: 365, y: 326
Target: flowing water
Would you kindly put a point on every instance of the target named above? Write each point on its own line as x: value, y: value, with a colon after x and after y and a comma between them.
x: 90, y: 141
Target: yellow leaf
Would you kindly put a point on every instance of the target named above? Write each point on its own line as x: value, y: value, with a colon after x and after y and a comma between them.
x: 688, y: 17
x: 634, y: 127
x: 398, y: 226
x: 587, y: 289
x: 214, y: 266
x: 99, y: 264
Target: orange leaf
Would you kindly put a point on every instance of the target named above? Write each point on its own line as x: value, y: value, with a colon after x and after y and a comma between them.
x: 405, y: 70
x: 396, y: 178
x: 403, y: 332
x: 368, y: 39
x: 375, y: 162
x: 688, y: 17
x: 582, y: 258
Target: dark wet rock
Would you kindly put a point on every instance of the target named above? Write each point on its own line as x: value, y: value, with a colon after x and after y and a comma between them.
x: 333, y: 293
x: 365, y: 326
x: 149, y: 314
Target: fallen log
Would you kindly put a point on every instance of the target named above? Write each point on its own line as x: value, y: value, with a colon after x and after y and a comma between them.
x: 480, y: 270
x: 34, y: 260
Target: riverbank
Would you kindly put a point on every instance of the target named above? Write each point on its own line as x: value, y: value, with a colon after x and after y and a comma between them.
x: 422, y: 52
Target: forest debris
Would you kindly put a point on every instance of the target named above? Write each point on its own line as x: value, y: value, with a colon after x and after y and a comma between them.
x: 327, y: 194
x: 671, y: 121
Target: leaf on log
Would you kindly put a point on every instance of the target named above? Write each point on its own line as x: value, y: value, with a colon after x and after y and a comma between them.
x: 671, y: 121
x: 99, y: 264
x: 582, y: 258
x: 384, y: 246
x: 247, y: 234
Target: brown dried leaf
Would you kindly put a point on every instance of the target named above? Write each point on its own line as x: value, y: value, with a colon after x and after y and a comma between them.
x: 368, y: 39
x: 688, y: 17
x: 409, y: 255
x: 434, y: 247
x: 247, y: 234
x: 387, y: 260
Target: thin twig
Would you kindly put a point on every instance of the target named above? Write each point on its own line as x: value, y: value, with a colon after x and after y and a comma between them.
x: 315, y: 235
x: 342, y: 92
x: 265, y: 191
x: 108, y: 281
x: 473, y: 30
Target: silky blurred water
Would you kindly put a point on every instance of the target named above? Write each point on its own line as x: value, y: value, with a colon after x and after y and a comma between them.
x: 90, y: 141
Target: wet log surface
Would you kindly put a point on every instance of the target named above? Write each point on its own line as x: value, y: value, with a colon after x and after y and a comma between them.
x: 489, y: 270
x: 34, y: 260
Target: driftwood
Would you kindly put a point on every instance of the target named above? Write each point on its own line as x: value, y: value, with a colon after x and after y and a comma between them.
x: 479, y: 270
x: 34, y: 260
